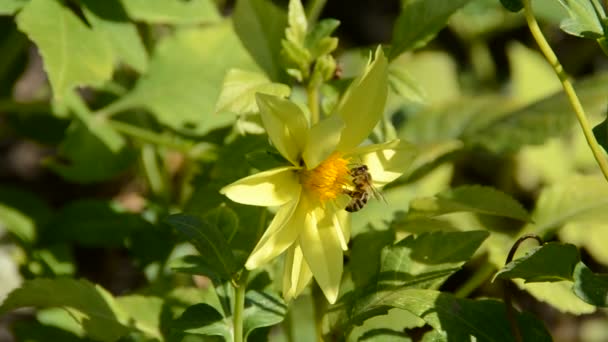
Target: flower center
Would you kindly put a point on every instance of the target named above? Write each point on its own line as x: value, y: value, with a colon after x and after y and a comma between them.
x: 328, y: 179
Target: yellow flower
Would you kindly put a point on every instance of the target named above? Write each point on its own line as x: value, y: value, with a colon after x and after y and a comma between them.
x: 311, y: 223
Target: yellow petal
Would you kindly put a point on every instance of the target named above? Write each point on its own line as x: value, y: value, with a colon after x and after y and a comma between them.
x: 269, y: 188
x: 296, y: 273
x: 363, y: 104
x: 288, y: 223
x: 323, y: 253
x: 286, y: 125
x: 322, y: 140
x: 386, y: 162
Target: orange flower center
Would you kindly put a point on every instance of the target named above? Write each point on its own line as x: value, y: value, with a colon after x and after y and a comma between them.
x: 328, y: 179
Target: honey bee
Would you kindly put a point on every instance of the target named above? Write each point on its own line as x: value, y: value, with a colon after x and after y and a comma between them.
x: 363, y: 189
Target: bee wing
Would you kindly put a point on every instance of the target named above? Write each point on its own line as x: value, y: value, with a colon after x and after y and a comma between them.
x: 378, y: 195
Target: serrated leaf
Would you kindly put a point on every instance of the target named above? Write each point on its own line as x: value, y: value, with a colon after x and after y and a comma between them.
x: 476, y: 199
x: 585, y: 18
x: 172, y: 11
x: 512, y: 5
x: 590, y: 287
x: 459, y: 318
x: 171, y: 89
x: 419, y: 22
x: 110, y: 19
x: 550, y: 262
x: 534, y: 124
x: 99, y: 314
x: 208, y: 240
x: 203, y: 319
x: 260, y: 25
x: 262, y: 309
x: 84, y: 158
x: 73, y: 54
x: 239, y: 90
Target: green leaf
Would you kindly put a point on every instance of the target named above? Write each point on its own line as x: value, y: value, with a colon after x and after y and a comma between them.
x: 260, y: 25
x: 601, y: 133
x: 203, y: 319
x: 590, y: 287
x: 262, y: 309
x: 239, y: 89
x: 208, y: 240
x: 365, y: 255
x: 73, y: 54
x: 558, y: 295
x: 144, y: 312
x: 84, y: 158
x: 172, y: 91
x: 9, y: 7
x: 476, y: 199
x: 172, y: 11
x: 109, y: 18
x: 318, y: 40
x: 91, y: 222
x: 457, y: 318
x: 512, y: 5
x: 550, y: 262
x: 419, y: 22
x: 92, y: 306
x: 534, y: 124
x: 30, y: 330
x: 297, y: 23
x: 579, y: 199
x: 585, y: 18
x: 404, y: 85
x: 22, y: 213
x: 225, y: 219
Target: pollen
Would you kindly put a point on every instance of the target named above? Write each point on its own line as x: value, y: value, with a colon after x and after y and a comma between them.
x: 328, y: 179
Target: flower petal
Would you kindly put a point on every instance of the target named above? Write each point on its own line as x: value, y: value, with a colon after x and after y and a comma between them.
x: 286, y: 125
x: 269, y: 188
x: 386, y: 162
x: 363, y: 104
x: 296, y: 274
x: 323, y: 253
x: 280, y: 234
x: 322, y: 140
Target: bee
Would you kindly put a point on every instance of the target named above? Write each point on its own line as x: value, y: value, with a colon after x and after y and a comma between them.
x: 362, y: 190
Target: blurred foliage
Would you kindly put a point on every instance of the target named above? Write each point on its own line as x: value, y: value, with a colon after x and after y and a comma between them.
x: 121, y: 120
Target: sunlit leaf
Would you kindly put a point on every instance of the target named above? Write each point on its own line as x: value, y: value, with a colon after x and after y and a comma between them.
x: 73, y: 54
x: 477, y: 199
x: 22, y: 213
x: 240, y: 87
x: 585, y: 18
x: 9, y: 7
x: 549, y: 262
x: 110, y: 19
x: 172, y: 11
x: 262, y: 309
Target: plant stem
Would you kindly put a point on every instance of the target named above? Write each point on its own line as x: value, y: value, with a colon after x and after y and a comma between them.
x: 313, y: 103
x: 152, y: 170
x: 239, y: 307
x: 509, y: 288
x: 149, y: 136
x: 567, y: 85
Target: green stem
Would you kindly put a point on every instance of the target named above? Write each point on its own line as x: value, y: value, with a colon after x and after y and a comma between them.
x: 319, y: 307
x: 480, y: 276
x: 152, y: 170
x: 313, y: 104
x: 239, y: 307
x: 568, y: 88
